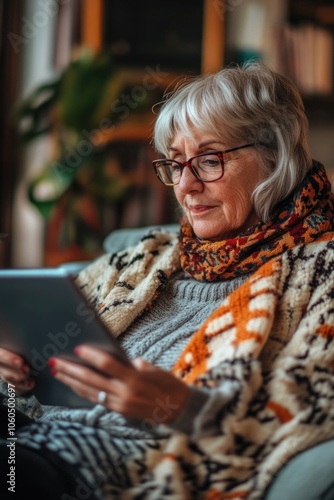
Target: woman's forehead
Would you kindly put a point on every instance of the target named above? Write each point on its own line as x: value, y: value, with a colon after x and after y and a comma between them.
x: 194, y: 137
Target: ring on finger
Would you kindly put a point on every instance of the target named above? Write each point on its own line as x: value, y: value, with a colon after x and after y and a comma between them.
x: 101, y: 397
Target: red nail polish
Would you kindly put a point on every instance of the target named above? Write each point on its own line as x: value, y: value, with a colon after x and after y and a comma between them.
x: 52, y: 362
x: 24, y: 370
x: 53, y: 371
x: 77, y: 350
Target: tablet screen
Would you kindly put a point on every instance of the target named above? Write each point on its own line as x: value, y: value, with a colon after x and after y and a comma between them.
x: 43, y: 314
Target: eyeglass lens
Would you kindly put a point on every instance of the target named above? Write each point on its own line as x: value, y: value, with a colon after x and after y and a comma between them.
x: 207, y: 168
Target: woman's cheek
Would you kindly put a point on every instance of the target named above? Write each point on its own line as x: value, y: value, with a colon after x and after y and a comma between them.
x: 238, y: 208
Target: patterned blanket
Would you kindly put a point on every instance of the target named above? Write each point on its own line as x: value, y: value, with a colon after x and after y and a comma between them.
x: 272, y: 339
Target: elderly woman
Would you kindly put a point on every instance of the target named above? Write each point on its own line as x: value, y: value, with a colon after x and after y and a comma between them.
x: 229, y: 324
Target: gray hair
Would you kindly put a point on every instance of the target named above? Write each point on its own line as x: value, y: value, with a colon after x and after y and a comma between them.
x: 245, y: 104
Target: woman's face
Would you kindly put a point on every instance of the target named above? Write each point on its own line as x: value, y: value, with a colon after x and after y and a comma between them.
x: 220, y: 209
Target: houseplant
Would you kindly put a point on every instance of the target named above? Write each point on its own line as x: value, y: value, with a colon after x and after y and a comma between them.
x: 84, y: 175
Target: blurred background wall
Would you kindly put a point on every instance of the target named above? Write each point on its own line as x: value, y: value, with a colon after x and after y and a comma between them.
x: 78, y: 82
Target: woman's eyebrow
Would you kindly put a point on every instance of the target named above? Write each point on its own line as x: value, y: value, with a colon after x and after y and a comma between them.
x: 201, y: 145
x: 207, y: 143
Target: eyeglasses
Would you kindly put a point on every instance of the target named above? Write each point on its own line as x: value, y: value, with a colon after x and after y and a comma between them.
x: 206, y: 167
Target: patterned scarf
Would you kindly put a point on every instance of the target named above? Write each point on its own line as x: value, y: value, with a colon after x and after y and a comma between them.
x: 301, y: 218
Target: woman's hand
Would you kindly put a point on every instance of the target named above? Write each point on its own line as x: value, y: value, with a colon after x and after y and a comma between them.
x: 140, y: 391
x: 14, y: 370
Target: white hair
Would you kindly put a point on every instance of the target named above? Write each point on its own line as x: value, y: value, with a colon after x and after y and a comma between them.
x: 245, y: 104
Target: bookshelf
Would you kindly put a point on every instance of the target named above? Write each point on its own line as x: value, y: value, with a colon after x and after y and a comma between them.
x: 201, y: 21
x: 297, y: 38
x: 314, y: 21
x: 311, y: 64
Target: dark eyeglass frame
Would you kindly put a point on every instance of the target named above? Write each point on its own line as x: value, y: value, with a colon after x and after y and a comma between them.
x: 193, y: 170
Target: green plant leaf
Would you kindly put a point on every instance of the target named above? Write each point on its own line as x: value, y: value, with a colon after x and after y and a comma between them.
x: 45, y: 190
x: 34, y: 115
x: 81, y: 87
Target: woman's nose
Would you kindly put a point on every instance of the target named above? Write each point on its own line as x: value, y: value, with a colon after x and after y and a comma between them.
x: 189, y: 182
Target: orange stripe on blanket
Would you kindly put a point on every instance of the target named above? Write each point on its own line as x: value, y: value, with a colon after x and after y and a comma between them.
x: 197, y: 351
x: 169, y: 456
x: 326, y: 331
x: 281, y: 412
x: 242, y: 315
x: 192, y: 361
x: 218, y: 495
x: 240, y: 303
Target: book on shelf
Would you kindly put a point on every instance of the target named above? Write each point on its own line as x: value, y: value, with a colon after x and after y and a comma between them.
x: 307, y: 57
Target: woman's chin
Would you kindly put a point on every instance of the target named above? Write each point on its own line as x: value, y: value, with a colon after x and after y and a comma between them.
x: 203, y: 232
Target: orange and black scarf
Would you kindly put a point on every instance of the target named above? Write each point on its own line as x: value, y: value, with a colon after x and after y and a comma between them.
x: 301, y: 218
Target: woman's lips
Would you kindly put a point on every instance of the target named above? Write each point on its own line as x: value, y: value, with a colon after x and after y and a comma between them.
x: 199, y: 209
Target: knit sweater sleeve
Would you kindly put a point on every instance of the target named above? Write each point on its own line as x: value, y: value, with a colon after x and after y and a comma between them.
x: 207, y: 406
x: 199, y: 417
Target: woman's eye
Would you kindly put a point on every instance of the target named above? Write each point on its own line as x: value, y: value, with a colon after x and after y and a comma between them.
x: 170, y: 164
x: 210, y: 162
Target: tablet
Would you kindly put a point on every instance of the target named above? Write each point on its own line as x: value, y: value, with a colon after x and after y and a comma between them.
x: 43, y: 314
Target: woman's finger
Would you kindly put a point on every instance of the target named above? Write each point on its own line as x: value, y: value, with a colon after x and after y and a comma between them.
x: 22, y: 384
x: 138, y: 391
x: 85, y: 375
x: 86, y: 391
x: 14, y: 370
x: 13, y: 375
x: 104, y: 362
x: 86, y: 383
x: 11, y: 359
x: 24, y: 387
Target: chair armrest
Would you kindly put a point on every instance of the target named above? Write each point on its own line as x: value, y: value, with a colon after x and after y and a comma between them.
x: 123, y: 238
x: 308, y: 476
x: 74, y: 267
